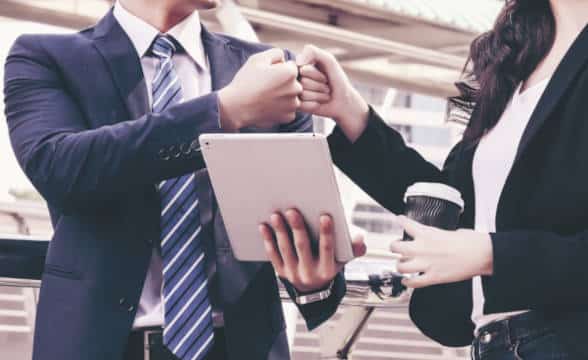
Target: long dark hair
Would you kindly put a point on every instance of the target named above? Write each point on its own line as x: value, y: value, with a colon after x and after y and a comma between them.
x: 501, y: 58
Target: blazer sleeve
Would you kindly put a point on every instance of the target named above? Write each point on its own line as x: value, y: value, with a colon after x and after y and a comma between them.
x: 381, y: 163
x: 384, y: 166
x: 538, y: 270
x: 79, y: 169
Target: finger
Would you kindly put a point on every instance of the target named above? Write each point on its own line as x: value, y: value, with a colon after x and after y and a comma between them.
x: 307, y: 56
x: 284, y: 241
x: 311, y: 72
x: 292, y: 69
x: 284, y: 119
x: 288, y: 104
x: 419, y: 281
x: 294, y: 89
x: 411, y: 227
x: 412, y: 266
x: 274, y: 56
x: 315, y: 96
x: 313, y: 85
x: 271, y: 247
x: 301, y: 238
x: 313, y: 55
x: 407, y: 249
x: 283, y: 72
x: 327, y: 245
x: 309, y: 106
x: 359, y: 247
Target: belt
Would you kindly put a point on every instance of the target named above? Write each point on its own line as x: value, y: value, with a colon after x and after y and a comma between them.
x: 147, y: 344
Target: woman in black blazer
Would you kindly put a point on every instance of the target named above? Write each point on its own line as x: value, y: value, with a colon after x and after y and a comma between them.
x: 534, y: 266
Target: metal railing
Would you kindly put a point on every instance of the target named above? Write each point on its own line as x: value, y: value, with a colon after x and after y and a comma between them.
x: 21, y: 266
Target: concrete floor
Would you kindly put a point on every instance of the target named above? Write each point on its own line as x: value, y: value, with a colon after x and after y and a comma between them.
x: 15, y: 347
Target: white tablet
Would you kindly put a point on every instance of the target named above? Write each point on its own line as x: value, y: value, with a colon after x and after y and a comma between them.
x: 255, y: 175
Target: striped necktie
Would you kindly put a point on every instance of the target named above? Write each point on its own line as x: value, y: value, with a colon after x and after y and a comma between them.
x: 188, y: 331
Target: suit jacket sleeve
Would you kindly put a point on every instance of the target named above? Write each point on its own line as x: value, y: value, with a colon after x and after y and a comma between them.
x: 384, y: 166
x: 80, y: 169
x: 317, y: 313
x: 381, y: 163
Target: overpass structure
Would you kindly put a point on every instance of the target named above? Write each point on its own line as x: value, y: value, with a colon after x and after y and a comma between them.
x: 416, y: 45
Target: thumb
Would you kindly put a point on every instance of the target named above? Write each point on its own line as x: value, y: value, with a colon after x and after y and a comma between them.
x: 359, y: 247
x: 311, y: 55
x: 412, y: 228
x: 307, y: 56
x: 273, y: 56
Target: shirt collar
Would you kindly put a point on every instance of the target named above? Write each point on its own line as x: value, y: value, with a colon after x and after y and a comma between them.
x: 142, y: 34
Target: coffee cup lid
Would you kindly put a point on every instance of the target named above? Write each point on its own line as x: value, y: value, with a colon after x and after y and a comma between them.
x: 435, y: 190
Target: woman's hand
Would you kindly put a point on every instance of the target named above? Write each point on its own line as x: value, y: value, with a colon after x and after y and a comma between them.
x: 442, y: 256
x: 288, y: 246
x: 339, y: 100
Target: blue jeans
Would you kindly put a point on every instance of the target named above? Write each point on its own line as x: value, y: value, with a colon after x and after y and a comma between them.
x: 522, y: 337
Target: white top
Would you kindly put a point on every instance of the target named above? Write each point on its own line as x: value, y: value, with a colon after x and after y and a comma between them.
x: 492, y: 163
x: 194, y: 73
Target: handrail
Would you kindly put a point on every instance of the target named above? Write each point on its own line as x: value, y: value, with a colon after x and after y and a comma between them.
x: 22, y: 258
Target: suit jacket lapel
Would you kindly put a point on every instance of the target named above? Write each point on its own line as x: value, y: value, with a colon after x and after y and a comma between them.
x: 571, y: 64
x: 225, y: 60
x: 124, y: 65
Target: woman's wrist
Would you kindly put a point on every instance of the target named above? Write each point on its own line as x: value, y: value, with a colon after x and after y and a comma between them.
x: 354, y: 117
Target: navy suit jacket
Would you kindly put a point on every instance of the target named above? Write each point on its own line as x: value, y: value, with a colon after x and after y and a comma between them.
x: 79, y: 122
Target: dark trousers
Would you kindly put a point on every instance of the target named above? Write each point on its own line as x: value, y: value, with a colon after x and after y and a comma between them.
x: 521, y: 337
x: 136, y: 345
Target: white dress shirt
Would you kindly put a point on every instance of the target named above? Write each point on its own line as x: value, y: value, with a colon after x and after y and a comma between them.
x: 193, y: 72
x: 492, y: 163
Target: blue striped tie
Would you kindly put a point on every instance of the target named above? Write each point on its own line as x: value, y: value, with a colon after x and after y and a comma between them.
x: 188, y: 331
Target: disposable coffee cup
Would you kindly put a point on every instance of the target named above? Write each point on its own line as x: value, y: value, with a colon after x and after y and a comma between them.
x: 433, y: 204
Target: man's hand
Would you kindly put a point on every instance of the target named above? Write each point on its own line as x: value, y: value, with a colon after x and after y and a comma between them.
x: 442, y: 256
x: 263, y: 93
x: 288, y: 247
x: 340, y: 101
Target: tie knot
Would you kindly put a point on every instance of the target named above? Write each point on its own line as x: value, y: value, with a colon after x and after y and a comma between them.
x: 164, y: 46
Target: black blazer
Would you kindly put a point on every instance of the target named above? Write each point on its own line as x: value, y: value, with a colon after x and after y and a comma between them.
x: 541, y: 243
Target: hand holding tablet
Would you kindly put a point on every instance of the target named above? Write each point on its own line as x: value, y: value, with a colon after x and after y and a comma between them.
x: 289, y: 248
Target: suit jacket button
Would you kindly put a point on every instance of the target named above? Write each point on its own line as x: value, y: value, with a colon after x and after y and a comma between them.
x: 195, y: 145
x: 175, y: 151
x: 163, y: 154
x: 131, y: 308
x: 185, y: 149
x: 122, y: 301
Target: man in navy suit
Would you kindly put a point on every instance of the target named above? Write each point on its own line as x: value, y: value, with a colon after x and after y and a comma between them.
x: 105, y: 123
